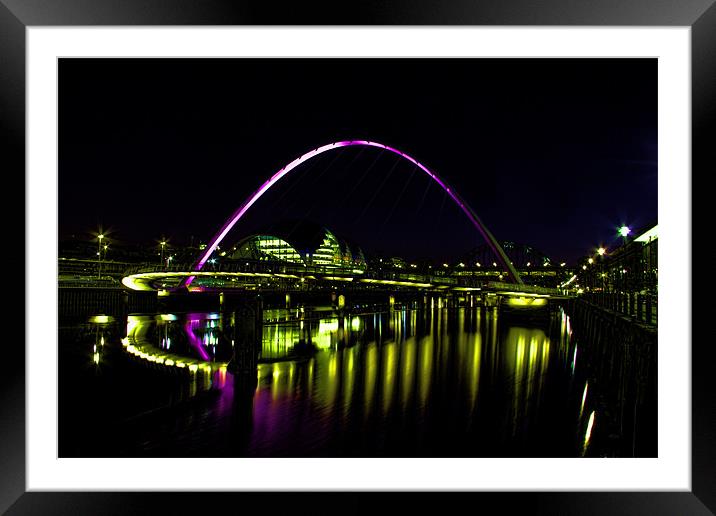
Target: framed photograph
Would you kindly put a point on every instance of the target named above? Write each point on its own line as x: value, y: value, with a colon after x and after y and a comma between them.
x: 406, y: 250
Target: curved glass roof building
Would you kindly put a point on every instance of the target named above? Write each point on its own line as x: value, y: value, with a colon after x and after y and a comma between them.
x: 300, y: 243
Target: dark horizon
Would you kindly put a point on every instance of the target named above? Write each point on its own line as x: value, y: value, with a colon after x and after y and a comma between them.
x: 553, y: 153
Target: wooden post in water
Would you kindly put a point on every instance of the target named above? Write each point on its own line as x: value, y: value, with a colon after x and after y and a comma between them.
x: 248, y: 327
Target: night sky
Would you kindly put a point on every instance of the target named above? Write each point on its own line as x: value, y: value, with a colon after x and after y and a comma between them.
x: 553, y: 153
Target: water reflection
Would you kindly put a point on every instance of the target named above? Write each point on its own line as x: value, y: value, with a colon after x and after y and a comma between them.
x: 101, y: 331
x: 439, y: 381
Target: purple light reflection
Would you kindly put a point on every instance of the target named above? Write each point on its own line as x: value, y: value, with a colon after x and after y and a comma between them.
x: 194, y: 341
x: 491, y: 241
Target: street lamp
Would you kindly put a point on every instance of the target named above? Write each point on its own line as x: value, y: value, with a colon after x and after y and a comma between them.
x: 601, y: 251
x: 162, y: 243
x: 99, y: 255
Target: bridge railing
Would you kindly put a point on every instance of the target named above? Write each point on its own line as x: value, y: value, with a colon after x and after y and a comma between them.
x: 642, y: 307
x: 87, y: 282
x: 532, y: 289
x: 247, y: 267
x: 319, y: 271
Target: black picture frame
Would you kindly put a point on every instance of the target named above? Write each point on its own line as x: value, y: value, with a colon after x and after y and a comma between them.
x: 17, y: 15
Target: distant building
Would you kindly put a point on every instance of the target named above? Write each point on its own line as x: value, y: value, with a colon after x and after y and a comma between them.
x: 631, y: 267
x: 300, y: 243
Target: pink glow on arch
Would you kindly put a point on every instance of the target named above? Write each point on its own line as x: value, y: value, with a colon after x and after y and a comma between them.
x: 229, y: 224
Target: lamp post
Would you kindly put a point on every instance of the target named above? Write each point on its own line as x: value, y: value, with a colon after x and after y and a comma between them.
x: 163, y: 243
x: 99, y: 255
x: 601, y: 251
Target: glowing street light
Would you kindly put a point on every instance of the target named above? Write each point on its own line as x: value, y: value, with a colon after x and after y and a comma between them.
x: 163, y: 243
x: 99, y: 255
x: 624, y: 231
x: 601, y: 251
x: 591, y: 261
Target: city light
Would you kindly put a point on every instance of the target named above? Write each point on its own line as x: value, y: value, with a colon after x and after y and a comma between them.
x: 99, y: 255
x: 163, y: 243
x: 601, y: 251
x: 624, y: 231
x: 591, y: 261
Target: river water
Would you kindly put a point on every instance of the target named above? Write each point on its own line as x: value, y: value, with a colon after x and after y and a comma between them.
x: 462, y: 382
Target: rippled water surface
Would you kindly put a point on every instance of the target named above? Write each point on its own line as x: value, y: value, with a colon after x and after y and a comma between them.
x: 434, y: 382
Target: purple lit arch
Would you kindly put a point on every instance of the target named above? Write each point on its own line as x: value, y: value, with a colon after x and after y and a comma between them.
x: 236, y: 216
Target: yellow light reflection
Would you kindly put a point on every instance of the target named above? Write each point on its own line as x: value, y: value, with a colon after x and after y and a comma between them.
x: 371, y: 373
x: 426, y: 369
x: 588, y: 433
x: 408, y: 359
x: 584, y: 398
x: 389, y: 365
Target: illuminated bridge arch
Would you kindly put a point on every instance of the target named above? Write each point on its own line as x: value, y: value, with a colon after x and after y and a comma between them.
x: 241, y: 210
